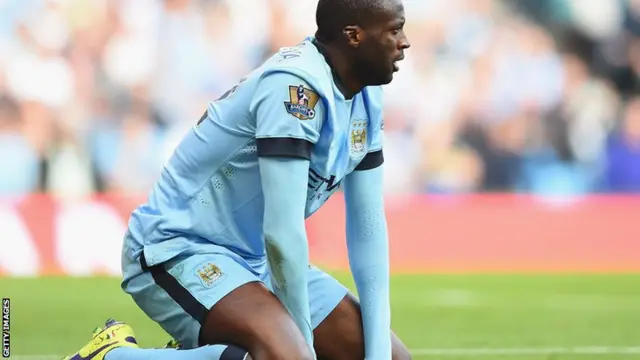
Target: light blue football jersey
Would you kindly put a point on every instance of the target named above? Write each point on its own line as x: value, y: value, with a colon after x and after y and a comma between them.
x: 210, y: 189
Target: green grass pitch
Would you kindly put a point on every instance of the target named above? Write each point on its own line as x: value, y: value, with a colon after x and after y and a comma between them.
x: 504, y: 317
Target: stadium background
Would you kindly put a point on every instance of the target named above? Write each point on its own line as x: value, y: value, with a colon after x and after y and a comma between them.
x: 512, y: 146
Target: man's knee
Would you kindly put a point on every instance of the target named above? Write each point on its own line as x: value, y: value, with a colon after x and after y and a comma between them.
x: 273, y: 347
x: 400, y: 352
x: 285, y: 352
x: 356, y: 351
x: 399, y: 349
x: 280, y: 339
x: 352, y: 347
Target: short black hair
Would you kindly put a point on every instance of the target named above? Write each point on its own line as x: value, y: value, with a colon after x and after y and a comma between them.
x: 333, y: 15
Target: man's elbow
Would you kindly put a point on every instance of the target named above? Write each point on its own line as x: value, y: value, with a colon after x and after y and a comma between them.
x: 286, y: 251
x: 285, y: 247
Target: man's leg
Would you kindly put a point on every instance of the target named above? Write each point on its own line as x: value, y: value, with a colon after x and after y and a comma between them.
x: 249, y: 317
x: 252, y: 318
x: 337, y: 321
x: 340, y: 335
x: 214, y: 352
x: 210, y: 299
x: 177, y: 295
x: 116, y: 341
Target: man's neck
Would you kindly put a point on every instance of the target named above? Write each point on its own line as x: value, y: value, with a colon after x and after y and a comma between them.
x: 343, y: 76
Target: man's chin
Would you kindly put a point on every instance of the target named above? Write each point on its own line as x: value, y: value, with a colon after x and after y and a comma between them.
x: 383, y: 80
x: 388, y: 79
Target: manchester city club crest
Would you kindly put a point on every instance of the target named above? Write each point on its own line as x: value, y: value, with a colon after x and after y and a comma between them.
x: 209, y: 273
x: 303, y: 102
x: 358, y: 138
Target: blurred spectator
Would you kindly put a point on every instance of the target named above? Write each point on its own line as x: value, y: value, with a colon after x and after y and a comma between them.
x: 128, y: 157
x: 494, y: 96
x: 623, y: 152
x: 20, y: 160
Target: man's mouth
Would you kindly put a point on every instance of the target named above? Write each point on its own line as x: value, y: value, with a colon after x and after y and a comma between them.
x: 395, y: 63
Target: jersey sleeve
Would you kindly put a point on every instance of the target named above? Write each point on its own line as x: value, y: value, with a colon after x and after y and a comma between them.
x: 288, y: 114
x: 368, y: 250
x: 284, y: 185
x: 374, y: 157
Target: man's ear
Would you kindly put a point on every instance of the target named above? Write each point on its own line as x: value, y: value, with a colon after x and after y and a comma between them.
x: 354, y: 35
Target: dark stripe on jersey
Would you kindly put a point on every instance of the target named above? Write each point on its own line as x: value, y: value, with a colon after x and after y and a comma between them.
x: 204, y: 116
x: 285, y: 147
x: 176, y: 291
x: 371, y: 161
x: 233, y: 353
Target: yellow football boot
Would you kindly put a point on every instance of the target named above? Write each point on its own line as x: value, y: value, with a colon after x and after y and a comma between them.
x: 113, y: 335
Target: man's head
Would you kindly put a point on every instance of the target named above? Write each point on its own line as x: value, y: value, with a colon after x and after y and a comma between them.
x: 369, y: 31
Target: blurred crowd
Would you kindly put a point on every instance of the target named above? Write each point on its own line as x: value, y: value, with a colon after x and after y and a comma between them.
x: 494, y: 95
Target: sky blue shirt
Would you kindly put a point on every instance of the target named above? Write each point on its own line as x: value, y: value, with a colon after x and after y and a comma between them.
x: 210, y: 189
